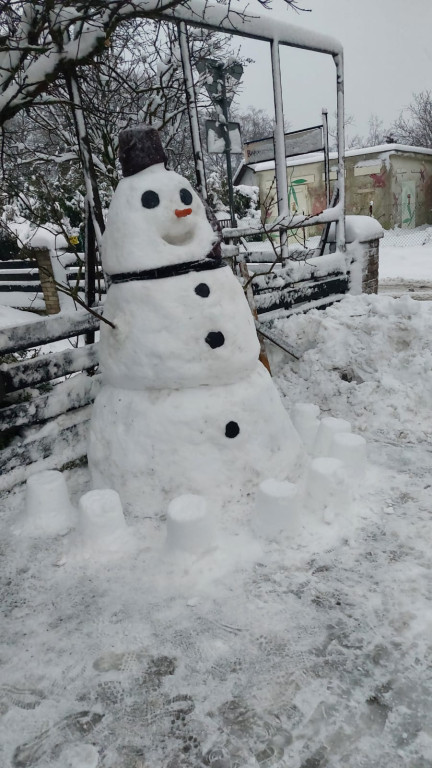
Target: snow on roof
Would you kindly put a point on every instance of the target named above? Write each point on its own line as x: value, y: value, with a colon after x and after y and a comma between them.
x: 383, y: 150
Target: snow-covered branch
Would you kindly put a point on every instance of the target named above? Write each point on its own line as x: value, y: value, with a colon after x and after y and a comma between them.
x: 40, y: 41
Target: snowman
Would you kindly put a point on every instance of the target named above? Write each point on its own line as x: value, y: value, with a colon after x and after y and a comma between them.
x: 185, y: 406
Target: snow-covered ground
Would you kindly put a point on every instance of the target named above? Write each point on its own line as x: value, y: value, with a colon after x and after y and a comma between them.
x: 405, y: 262
x: 408, y: 265
x: 307, y: 652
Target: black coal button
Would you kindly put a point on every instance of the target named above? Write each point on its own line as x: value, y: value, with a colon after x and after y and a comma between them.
x: 232, y: 429
x: 203, y: 290
x: 215, y: 339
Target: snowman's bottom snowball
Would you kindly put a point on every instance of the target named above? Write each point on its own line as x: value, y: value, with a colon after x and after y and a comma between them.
x: 153, y: 445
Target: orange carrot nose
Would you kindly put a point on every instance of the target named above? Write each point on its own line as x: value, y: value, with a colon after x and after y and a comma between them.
x: 183, y: 213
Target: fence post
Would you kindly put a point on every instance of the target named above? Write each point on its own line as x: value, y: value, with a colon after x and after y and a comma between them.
x: 370, y: 266
x: 47, y: 279
x: 90, y: 265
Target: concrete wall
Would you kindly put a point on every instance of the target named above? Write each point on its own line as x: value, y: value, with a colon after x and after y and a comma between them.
x: 398, y: 187
x: 411, y: 190
x: 368, y: 188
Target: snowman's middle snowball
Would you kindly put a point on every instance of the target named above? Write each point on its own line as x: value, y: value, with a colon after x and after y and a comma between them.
x: 162, y: 327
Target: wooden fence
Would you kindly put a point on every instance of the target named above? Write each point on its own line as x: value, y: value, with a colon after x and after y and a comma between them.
x: 297, y: 286
x: 76, y: 279
x: 20, y: 282
x: 45, y: 395
x: 19, y: 276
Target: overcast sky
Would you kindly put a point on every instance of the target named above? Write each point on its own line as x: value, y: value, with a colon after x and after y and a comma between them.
x: 388, y: 57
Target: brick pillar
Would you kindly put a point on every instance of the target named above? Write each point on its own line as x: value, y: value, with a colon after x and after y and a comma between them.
x: 46, y: 276
x: 363, y: 260
x: 370, y: 266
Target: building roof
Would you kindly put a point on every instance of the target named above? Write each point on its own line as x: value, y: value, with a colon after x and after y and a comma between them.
x: 383, y: 150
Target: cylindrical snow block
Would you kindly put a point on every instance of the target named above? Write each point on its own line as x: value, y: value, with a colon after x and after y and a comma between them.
x: 305, y: 417
x: 328, y: 488
x: 276, y: 508
x: 188, y: 524
x: 327, y: 429
x: 77, y: 755
x: 48, y: 508
x: 351, y: 450
x: 101, y: 522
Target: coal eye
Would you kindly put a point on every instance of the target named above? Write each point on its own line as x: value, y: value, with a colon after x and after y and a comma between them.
x: 185, y: 196
x: 150, y: 199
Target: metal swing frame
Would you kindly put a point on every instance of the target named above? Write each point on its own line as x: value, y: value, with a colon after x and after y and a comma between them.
x: 236, y: 18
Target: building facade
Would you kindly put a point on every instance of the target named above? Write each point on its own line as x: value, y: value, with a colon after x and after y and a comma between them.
x: 392, y: 182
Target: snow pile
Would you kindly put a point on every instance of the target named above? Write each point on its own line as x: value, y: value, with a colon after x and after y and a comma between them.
x: 366, y: 359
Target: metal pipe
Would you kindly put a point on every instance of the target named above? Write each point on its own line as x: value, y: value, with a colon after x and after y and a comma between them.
x: 326, y: 155
x: 225, y: 130
x: 340, y: 226
x: 279, y: 142
x: 192, y: 109
x: 239, y: 19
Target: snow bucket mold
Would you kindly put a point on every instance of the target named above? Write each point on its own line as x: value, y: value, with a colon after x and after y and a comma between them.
x: 188, y: 524
x: 326, y: 431
x: 305, y: 417
x: 101, y: 523
x: 48, y: 511
x: 328, y: 488
x: 351, y: 450
x: 277, y: 508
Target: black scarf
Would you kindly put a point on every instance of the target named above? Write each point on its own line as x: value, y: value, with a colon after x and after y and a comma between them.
x: 171, y: 270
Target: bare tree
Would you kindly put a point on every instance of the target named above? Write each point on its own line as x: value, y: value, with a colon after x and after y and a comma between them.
x: 39, y: 41
x: 138, y: 78
x: 414, y: 124
x: 377, y: 133
x: 255, y: 123
x: 351, y: 140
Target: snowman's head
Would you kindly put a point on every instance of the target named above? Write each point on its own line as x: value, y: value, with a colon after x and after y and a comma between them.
x: 155, y: 219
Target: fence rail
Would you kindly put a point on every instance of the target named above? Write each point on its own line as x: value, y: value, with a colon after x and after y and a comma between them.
x: 76, y: 279
x: 19, y: 276
x: 50, y: 387
x: 301, y: 282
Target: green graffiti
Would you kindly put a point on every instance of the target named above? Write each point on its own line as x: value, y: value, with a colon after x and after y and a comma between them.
x: 410, y: 215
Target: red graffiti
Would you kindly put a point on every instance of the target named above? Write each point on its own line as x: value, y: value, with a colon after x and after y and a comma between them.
x: 319, y: 203
x: 379, y: 179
